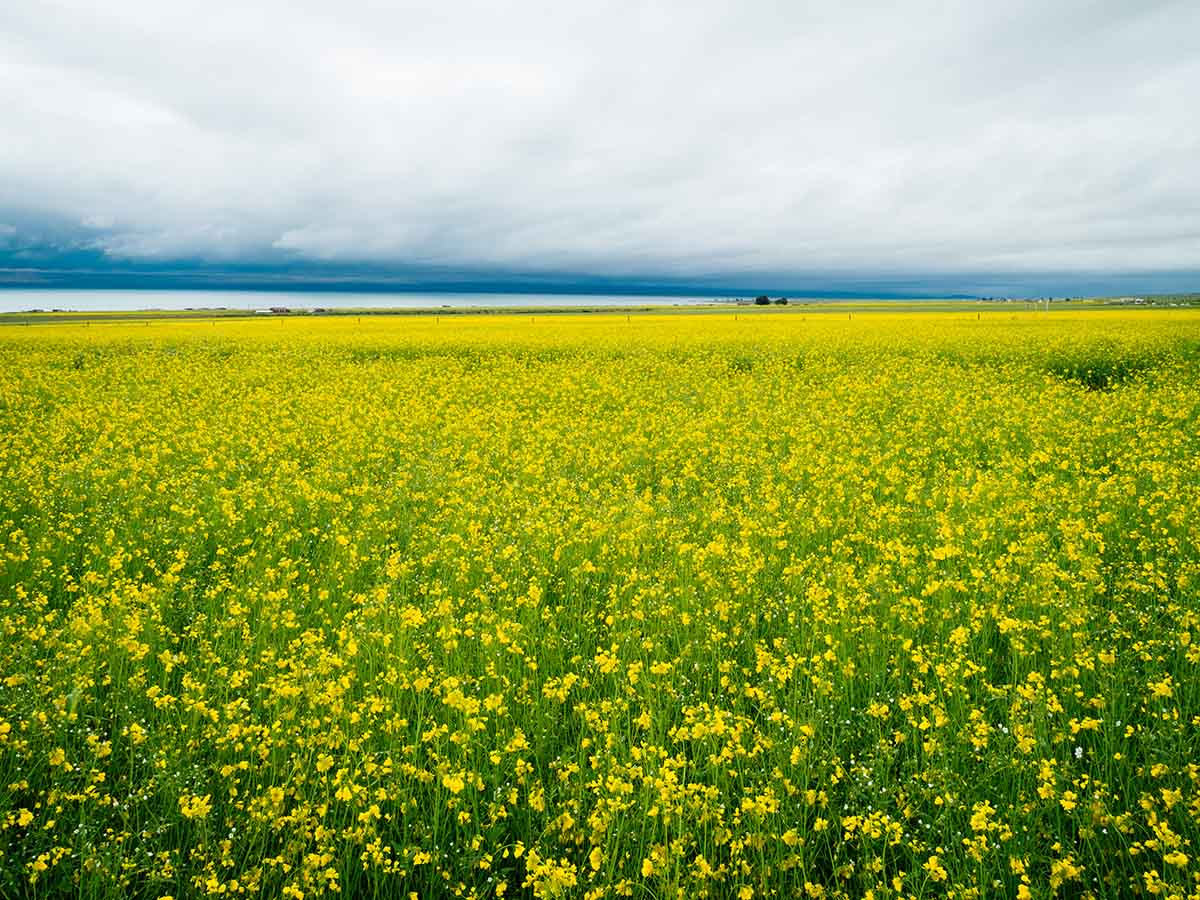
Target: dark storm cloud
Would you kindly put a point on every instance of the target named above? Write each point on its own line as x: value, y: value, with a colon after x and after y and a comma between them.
x: 681, y: 139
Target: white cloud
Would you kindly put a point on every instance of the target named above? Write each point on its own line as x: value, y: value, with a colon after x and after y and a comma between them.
x: 680, y: 138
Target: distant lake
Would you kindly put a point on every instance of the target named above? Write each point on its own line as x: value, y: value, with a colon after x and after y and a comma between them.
x: 18, y: 300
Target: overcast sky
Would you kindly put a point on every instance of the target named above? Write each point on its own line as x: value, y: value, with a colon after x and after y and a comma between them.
x: 674, y: 139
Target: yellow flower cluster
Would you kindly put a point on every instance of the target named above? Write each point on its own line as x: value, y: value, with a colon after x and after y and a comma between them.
x: 709, y: 605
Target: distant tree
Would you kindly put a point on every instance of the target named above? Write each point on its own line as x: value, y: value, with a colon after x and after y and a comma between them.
x: 762, y: 300
x: 782, y: 301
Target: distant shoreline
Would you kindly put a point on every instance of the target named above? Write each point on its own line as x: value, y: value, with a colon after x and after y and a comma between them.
x: 695, y: 306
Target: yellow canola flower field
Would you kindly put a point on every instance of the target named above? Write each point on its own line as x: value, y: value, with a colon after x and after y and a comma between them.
x: 668, y: 606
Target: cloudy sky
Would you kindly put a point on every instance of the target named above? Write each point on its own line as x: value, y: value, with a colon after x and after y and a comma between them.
x: 790, y: 142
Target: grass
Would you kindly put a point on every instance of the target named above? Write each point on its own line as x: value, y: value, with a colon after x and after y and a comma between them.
x: 899, y: 605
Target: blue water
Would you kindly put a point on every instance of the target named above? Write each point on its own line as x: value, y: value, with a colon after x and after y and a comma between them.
x: 13, y: 300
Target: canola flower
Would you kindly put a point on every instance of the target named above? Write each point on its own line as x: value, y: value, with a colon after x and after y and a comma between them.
x: 781, y: 605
